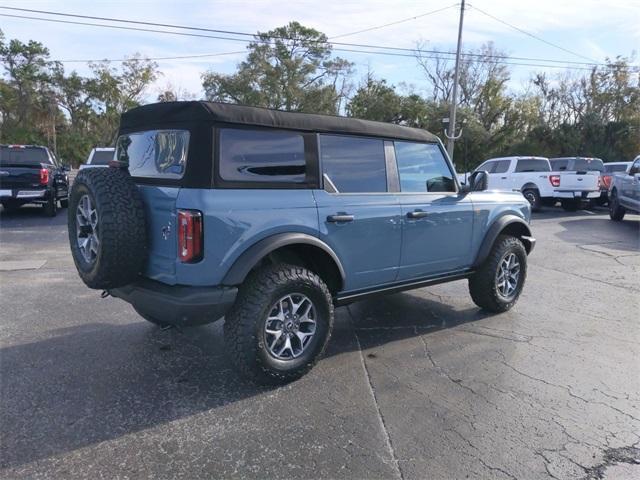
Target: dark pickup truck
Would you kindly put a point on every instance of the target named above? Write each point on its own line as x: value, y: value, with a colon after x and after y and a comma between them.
x: 32, y: 174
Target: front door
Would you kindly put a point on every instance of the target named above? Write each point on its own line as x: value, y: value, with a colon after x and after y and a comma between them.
x: 437, y: 220
x: 358, y: 217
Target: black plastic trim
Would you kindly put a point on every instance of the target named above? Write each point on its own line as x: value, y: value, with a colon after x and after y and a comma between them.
x: 349, y: 297
x: 490, y: 237
x: 250, y: 257
x: 177, y: 304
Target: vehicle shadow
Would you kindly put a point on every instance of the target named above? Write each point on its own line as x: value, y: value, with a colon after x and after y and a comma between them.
x: 87, y: 384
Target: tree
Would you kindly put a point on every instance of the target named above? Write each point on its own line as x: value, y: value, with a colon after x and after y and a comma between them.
x: 289, y: 68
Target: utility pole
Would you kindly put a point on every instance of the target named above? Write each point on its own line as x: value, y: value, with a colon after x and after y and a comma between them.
x: 451, y: 135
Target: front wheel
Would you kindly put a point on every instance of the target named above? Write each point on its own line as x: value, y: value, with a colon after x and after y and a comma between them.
x: 280, y: 324
x: 616, y: 211
x: 497, y: 285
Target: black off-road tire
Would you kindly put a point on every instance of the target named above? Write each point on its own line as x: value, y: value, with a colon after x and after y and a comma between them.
x: 533, y: 197
x: 122, y: 227
x: 244, y: 323
x: 50, y: 208
x: 616, y: 211
x: 11, y: 206
x: 483, y: 286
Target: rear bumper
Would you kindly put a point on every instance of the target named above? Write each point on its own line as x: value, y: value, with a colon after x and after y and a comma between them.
x: 583, y: 194
x: 177, y: 304
x: 24, y: 194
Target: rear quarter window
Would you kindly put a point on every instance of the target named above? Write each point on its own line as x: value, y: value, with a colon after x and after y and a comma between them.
x: 252, y: 155
x: 154, y: 153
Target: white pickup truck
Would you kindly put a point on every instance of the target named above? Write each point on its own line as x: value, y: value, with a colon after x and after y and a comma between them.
x: 539, y: 183
x: 576, y: 180
x: 530, y: 175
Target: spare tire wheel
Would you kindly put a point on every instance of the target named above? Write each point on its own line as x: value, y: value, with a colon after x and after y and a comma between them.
x: 107, y: 227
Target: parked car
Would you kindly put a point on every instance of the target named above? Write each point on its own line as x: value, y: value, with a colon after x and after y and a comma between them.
x: 99, y: 157
x: 576, y: 181
x: 529, y: 175
x: 609, y: 169
x: 624, y: 192
x: 32, y: 174
x: 271, y: 219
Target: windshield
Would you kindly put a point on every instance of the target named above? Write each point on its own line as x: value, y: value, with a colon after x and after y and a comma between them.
x: 102, y: 157
x: 23, y: 155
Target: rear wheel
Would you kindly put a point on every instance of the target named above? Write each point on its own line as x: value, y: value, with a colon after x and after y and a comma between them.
x: 616, y: 211
x: 64, y: 203
x: 50, y: 208
x: 497, y: 285
x: 533, y: 196
x: 11, y: 205
x: 280, y: 324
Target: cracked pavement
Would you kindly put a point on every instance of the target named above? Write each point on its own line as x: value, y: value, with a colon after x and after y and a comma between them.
x: 414, y: 385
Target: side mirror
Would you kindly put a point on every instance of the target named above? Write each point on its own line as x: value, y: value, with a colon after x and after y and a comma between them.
x: 478, y: 181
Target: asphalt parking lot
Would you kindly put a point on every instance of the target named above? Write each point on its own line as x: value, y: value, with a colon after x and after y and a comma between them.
x: 414, y: 385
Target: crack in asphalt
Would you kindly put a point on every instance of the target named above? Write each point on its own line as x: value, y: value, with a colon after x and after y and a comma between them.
x: 564, y: 387
x: 591, y: 279
x: 611, y: 457
x: 372, y: 391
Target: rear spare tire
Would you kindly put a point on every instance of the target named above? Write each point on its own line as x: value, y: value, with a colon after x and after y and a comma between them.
x: 107, y: 228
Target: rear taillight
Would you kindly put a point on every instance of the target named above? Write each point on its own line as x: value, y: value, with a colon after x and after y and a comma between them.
x: 555, y: 180
x: 44, y: 176
x: 606, y: 181
x: 189, y: 236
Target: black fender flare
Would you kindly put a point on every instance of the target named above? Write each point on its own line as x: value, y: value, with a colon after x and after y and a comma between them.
x: 252, y: 255
x: 496, y: 228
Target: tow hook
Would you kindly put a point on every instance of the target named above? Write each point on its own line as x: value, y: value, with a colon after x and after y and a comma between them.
x: 104, y: 294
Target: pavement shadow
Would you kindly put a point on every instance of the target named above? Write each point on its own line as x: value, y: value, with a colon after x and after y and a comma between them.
x: 30, y: 216
x: 624, y: 235
x: 87, y: 384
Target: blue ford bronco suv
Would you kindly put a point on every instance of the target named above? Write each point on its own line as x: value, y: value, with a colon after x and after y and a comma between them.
x: 271, y: 219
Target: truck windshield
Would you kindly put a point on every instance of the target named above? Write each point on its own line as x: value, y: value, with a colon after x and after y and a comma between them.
x: 588, y: 164
x: 23, y: 155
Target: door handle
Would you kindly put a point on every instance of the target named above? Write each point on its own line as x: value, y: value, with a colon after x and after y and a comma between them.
x: 341, y: 217
x: 417, y: 214
x: 503, y: 178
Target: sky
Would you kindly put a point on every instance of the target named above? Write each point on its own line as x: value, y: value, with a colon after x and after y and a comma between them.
x: 595, y: 29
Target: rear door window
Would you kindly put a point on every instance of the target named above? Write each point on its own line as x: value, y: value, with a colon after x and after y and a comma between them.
x: 532, y: 165
x: 354, y: 164
x: 423, y: 168
x: 154, y: 153
x: 248, y: 155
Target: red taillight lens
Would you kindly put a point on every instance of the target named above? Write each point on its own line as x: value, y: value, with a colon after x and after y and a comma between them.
x: 44, y: 176
x: 606, y: 181
x: 189, y: 236
x: 555, y: 180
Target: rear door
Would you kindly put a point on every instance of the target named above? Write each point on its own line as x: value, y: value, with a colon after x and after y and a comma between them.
x: 437, y: 220
x: 358, y: 216
x: 630, y: 194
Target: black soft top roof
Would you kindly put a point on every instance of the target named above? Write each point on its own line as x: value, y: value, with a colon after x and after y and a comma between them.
x: 161, y: 114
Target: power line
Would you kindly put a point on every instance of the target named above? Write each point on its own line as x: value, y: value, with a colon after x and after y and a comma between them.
x: 273, y: 37
x: 427, y: 53
x: 408, y: 19
x: 180, y: 57
x: 529, y: 34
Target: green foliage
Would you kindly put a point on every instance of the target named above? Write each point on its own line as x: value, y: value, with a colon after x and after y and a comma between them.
x: 293, y: 68
x: 289, y: 68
